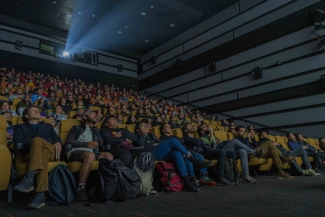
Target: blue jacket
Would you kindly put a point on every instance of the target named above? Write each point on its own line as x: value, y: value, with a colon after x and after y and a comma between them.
x: 293, y: 145
x: 24, y: 133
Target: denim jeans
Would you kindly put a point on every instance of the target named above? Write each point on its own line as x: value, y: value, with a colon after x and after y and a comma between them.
x: 172, y: 150
x: 190, y: 167
x: 303, y: 154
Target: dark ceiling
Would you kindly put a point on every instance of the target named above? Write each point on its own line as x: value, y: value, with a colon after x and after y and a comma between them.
x: 101, y: 24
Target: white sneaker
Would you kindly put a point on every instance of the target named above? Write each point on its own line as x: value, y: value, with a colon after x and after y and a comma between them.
x: 317, y: 174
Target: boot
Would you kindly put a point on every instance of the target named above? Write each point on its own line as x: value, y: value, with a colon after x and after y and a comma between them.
x: 188, y: 186
x: 197, y: 163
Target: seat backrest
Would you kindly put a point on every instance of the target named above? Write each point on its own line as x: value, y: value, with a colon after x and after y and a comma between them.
x: 16, y: 101
x: 99, y: 125
x: 95, y: 108
x: 206, y: 121
x: 121, y: 126
x: 311, y: 142
x: 13, y: 107
x: 156, y: 131
x: 279, y: 139
x: 130, y: 127
x: 256, y: 137
x: 3, y: 98
x: 222, y: 128
x: 220, y: 135
x: 65, y: 127
x: 134, y: 113
x: 14, y: 119
x: 3, y: 130
x: 178, y: 132
x: 272, y: 138
x: 72, y: 113
x: 231, y: 136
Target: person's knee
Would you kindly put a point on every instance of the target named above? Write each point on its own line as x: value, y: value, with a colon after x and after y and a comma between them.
x: 88, y: 157
x: 242, y: 153
x: 175, y: 155
x: 36, y: 140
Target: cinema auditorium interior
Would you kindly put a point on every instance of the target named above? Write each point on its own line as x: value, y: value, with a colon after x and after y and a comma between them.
x: 162, y: 108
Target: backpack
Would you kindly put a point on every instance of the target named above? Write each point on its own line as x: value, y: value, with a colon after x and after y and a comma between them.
x: 230, y: 170
x: 62, y: 188
x: 116, y: 181
x: 169, y: 179
x: 143, y: 164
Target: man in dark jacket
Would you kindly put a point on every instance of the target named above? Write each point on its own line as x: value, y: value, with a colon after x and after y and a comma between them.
x: 173, y: 122
x: 264, y: 138
x: 85, y: 140
x: 41, y: 145
x: 208, y: 152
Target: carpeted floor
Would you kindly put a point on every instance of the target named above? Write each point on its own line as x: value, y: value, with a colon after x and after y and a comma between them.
x: 302, y: 196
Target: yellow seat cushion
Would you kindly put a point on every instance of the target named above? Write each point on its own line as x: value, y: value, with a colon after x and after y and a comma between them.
x: 22, y: 169
x: 130, y: 127
x: 65, y: 127
x: 220, y: 135
x: 75, y: 166
x: 178, y: 132
x: 254, y: 161
x: 5, y: 169
x: 231, y: 136
x: 16, y: 101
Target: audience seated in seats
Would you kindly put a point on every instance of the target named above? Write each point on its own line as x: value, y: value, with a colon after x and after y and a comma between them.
x: 241, y: 150
x: 294, y: 145
x: 167, y: 133
x: 43, y: 104
x: 24, y: 103
x: 298, y: 153
x: 120, y: 140
x: 310, y: 149
x: 205, y: 147
x: 124, y: 111
x: 5, y: 107
x: 307, y: 171
x: 66, y: 108
x: 170, y: 150
x: 41, y: 143
x: 232, y: 129
x: 173, y: 122
x: 270, y: 151
x: 158, y: 121
x: 19, y: 93
x: 54, y: 124
x: 85, y: 141
x: 58, y: 114
x: 119, y: 119
x: 9, y: 128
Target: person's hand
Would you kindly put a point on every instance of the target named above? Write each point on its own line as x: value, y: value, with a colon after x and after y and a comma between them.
x: 92, y: 144
x: 276, y: 144
x: 58, y: 146
x: 316, y: 151
x: 118, y: 135
x: 210, y: 131
x: 304, y: 147
x: 249, y: 135
x: 128, y: 140
x: 155, y: 144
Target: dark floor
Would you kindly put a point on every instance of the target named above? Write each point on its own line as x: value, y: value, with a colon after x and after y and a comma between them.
x: 302, y: 196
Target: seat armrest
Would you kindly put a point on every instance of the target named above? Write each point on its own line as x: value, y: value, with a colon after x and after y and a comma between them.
x: 106, y: 147
x: 19, y: 146
x: 67, y: 147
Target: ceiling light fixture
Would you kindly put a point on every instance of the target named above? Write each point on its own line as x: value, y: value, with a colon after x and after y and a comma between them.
x: 151, y: 6
x: 126, y: 27
x: 146, y: 41
x: 93, y: 15
x: 172, y: 25
x: 119, y: 32
x: 143, y: 14
x: 54, y: 2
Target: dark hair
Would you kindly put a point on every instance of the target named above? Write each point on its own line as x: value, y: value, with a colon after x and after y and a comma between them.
x: 129, y: 121
x: 248, y: 127
x: 105, y: 120
x: 239, y: 127
x: 184, y: 128
x: 319, y: 139
x: 288, y: 135
x: 4, y: 101
x: 25, y: 112
x: 262, y: 131
x: 199, y: 129
x: 140, y: 122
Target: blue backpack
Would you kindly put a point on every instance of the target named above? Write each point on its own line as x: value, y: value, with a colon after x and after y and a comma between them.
x: 62, y: 189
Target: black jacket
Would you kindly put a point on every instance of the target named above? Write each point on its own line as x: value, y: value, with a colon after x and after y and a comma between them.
x: 165, y: 137
x: 24, y: 133
x: 109, y: 139
x: 146, y: 141
x: 76, y: 131
x: 198, y: 143
x: 174, y: 125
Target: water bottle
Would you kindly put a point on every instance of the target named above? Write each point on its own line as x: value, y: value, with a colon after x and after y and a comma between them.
x: 96, y: 149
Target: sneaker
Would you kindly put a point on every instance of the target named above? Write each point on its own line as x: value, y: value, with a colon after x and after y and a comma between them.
x: 308, y: 173
x: 195, y: 182
x: 38, y: 200
x: 318, y: 170
x: 317, y: 174
x: 283, y: 175
x: 82, y: 195
x: 26, y: 185
x: 153, y: 191
x: 289, y: 158
x: 259, y: 152
x: 205, y: 180
x: 221, y: 182
x: 249, y: 179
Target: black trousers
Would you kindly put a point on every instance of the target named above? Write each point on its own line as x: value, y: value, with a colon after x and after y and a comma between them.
x: 220, y: 155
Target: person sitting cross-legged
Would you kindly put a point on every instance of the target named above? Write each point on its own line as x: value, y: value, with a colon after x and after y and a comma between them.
x: 295, y: 146
x: 167, y: 133
x: 84, y: 139
x: 204, y: 148
x: 169, y: 150
x: 41, y: 142
x: 307, y: 171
